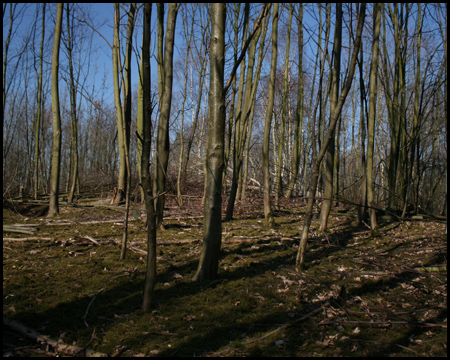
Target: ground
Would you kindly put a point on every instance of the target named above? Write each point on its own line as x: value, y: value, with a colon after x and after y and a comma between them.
x: 361, y: 294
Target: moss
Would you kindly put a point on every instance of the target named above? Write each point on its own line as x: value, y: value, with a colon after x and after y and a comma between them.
x: 48, y: 285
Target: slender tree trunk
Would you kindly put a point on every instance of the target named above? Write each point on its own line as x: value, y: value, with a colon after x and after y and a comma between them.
x: 278, y: 178
x: 162, y: 142
x: 56, y: 149
x: 120, y: 190
x: 333, y: 120
x: 268, y: 214
x: 299, y: 113
x: 329, y: 165
x: 39, y: 108
x: 146, y: 141
x: 126, y: 86
x: 212, y: 237
x: 252, y: 102
x: 372, y: 114
x: 188, y: 37
x: 73, y: 106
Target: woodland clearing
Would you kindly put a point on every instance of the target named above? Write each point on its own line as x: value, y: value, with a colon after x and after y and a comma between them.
x: 361, y: 293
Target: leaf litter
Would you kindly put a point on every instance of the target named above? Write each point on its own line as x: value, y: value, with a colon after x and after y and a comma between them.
x: 360, y: 295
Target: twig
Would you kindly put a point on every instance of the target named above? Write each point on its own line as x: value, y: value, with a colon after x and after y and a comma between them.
x: 28, y: 238
x: 99, y: 292
x: 83, y: 349
x: 121, y: 351
x: 89, y: 306
x: 94, y: 241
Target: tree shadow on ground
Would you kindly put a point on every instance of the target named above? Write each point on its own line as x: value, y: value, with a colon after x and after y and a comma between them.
x: 223, y: 326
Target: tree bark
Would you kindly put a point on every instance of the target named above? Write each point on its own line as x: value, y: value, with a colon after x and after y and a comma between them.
x: 329, y: 164
x: 212, y: 237
x: 39, y: 108
x: 56, y: 149
x: 73, y: 113
x: 278, y: 179
x: 119, y: 114
x: 333, y: 120
x: 146, y: 141
x: 299, y: 113
x: 372, y: 113
x: 268, y: 214
x: 165, y: 86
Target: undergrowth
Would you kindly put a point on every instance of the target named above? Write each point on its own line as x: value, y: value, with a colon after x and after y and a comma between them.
x: 373, y: 294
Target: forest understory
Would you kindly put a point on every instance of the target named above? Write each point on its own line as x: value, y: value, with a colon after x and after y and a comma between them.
x: 360, y: 294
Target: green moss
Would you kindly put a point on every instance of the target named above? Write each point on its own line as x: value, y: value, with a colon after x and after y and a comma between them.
x: 49, y: 285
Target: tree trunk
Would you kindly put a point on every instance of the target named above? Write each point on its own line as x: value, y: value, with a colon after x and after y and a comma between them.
x: 126, y: 87
x: 56, y: 149
x: 329, y: 165
x: 212, y: 237
x: 268, y: 214
x: 146, y: 141
x: 372, y: 113
x: 165, y: 82
x: 278, y: 178
x: 333, y: 120
x: 120, y: 192
x: 299, y: 113
x: 39, y: 108
x: 73, y: 113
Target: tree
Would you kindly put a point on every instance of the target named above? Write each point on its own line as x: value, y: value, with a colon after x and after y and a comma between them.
x: 165, y: 76
x: 329, y: 162
x: 123, y: 114
x: 299, y: 113
x: 39, y: 107
x: 372, y: 114
x: 73, y: 108
x: 56, y: 149
x: 146, y: 181
x: 212, y: 236
x: 268, y: 215
x: 333, y: 120
x: 245, y: 102
x: 284, y: 105
x: 120, y: 191
x: 180, y: 159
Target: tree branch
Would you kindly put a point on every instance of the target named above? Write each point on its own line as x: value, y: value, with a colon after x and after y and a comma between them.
x: 264, y: 12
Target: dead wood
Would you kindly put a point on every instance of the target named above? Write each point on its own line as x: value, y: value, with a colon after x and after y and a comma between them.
x: 19, y: 229
x: 91, y: 239
x: 28, y: 238
x: 59, y: 346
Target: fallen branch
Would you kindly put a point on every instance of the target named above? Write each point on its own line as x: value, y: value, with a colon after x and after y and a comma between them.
x: 28, y: 238
x: 59, y: 346
x: 91, y: 239
x: 442, y: 268
x: 19, y: 229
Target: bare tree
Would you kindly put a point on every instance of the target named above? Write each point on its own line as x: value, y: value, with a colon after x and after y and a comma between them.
x: 372, y: 113
x: 329, y: 163
x: 56, y: 150
x: 165, y: 76
x: 212, y: 236
x: 150, y: 278
x: 268, y: 214
x: 330, y: 133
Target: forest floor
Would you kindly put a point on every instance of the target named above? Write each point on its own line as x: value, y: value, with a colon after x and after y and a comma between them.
x: 361, y: 294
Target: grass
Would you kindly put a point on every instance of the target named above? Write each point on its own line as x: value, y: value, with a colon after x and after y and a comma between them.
x: 387, y: 306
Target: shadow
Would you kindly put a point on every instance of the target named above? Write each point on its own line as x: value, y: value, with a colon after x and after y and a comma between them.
x: 219, y: 324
